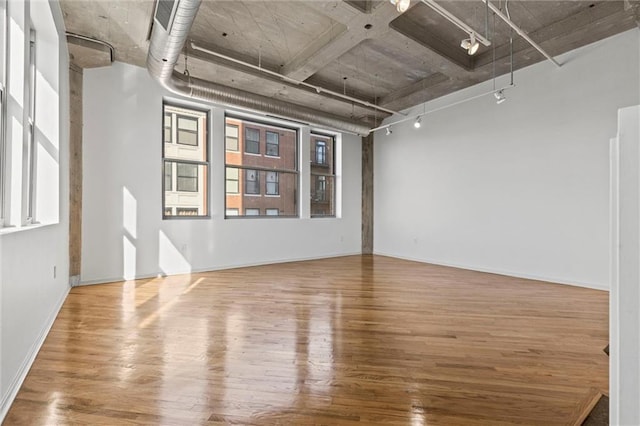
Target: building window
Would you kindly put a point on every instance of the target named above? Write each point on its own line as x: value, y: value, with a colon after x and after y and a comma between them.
x: 231, y: 212
x: 186, y: 211
x: 252, y: 181
x: 233, y: 180
x: 252, y: 212
x: 321, y: 152
x: 262, y: 183
x: 231, y: 137
x: 272, y: 212
x: 272, y: 183
x: 185, y: 162
x: 187, y: 130
x: 187, y: 177
x: 167, y: 128
x: 321, y: 188
x: 273, y: 144
x: 323, y: 179
x: 252, y: 141
x: 168, y: 176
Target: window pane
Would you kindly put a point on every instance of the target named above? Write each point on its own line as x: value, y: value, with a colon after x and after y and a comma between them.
x: 322, y: 195
x: 186, y: 137
x: 252, y: 212
x: 233, y: 180
x: 252, y: 141
x: 272, y: 183
x: 252, y: 182
x: 187, y: 177
x: 167, y: 128
x: 188, y: 123
x: 322, y: 180
x: 168, y: 176
x: 231, y: 137
x: 231, y: 212
x: 272, y: 144
x: 265, y: 183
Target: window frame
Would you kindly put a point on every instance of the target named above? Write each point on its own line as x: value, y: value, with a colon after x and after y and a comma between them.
x: 30, y: 162
x: 206, y: 163
x: 276, y: 144
x: 275, y: 183
x: 237, y: 137
x: 247, y: 122
x: 185, y: 117
x: 246, y: 140
x: 256, y: 180
x: 329, y: 171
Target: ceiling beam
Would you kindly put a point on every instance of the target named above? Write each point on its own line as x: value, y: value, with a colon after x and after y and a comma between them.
x: 352, y: 28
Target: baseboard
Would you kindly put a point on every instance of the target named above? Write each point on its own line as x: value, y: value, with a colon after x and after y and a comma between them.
x: 499, y: 272
x: 216, y: 268
x: 21, y: 374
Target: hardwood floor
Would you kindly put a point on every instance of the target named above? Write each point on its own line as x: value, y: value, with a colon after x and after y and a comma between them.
x: 352, y: 340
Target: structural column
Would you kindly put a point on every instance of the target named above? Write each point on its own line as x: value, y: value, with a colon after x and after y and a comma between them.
x: 75, y: 172
x: 367, y: 194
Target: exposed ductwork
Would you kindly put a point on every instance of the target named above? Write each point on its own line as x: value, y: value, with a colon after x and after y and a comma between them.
x: 164, y: 52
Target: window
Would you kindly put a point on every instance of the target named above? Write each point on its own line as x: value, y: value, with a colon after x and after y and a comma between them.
x: 233, y: 180
x: 187, y: 177
x: 273, y: 144
x: 187, y: 130
x: 231, y: 137
x: 185, y: 162
x: 262, y: 184
x: 321, y: 188
x: 272, y: 183
x: 31, y: 147
x: 323, y: 176
x: 252, y: 180
x: 167, y: 128
x: 252, y: 141
x: 231, y: 212
x: 186, y: 211
x: 321, y: 152
x: 168, y: 176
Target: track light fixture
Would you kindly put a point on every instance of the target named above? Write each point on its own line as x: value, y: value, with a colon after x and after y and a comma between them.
x: 389, y: 131
x: 401, y: 5
x: 500, y: 97
x: 416, y: 123
x: 470, y: 44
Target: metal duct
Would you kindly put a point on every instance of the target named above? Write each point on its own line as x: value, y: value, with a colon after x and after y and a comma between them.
x: 164, y: 51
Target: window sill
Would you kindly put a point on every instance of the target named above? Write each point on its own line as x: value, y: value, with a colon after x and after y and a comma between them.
x: 16, y: 229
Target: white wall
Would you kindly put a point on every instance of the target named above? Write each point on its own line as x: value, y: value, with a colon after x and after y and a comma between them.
x: 123, y: 234
x: 520, y: 188
x: 30, y: 295
x: 625, y: 272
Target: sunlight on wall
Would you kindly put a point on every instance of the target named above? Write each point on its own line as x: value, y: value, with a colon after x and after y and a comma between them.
x: 47, y: 185
x: 129, y: 214
x: 15, y: 192
x: 170, y: 260
x: 16, y: 65
x: 47, y: 116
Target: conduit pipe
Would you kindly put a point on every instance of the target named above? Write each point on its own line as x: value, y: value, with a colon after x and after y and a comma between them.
x: 164, y: 51
x: 520, y: 32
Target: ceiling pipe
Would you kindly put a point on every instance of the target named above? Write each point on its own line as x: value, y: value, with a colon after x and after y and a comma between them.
x: 164, y: 51
x: 318, y: 89
x: 456, y: 21
x: 521, y: 32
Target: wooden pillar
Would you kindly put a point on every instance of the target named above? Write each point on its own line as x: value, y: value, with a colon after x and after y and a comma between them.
x: 367, y: 194
x: 75, y: 172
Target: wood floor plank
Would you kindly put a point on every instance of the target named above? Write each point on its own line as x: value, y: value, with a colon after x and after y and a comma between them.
x: 352, y: 340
